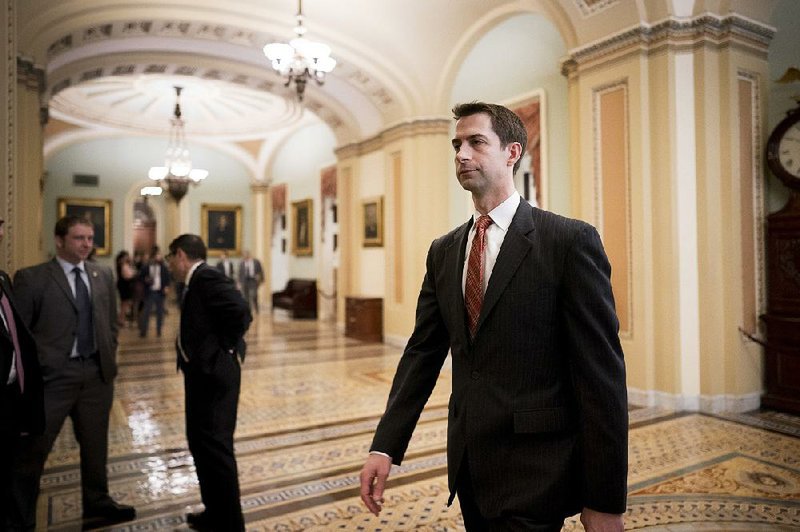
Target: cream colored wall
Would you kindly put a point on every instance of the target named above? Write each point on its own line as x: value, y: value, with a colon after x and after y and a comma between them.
x: 690, y: 282
x: 6, y: 116
x: 370, y: 185
x: 418, y: 185
x: 26, y: 217
x: 405, y: 164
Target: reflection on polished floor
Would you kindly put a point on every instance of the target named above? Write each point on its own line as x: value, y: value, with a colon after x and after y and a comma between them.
x: 310, y: 401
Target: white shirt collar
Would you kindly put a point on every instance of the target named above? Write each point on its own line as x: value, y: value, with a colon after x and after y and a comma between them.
x: 191, y: 271
x: 68, y: 266
x: 503, y: 213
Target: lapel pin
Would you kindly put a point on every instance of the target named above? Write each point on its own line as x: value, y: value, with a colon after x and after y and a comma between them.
x: 94, y: 274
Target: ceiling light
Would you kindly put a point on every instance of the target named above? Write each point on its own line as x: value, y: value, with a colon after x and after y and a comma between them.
x: 301, y: 59
x: 177, y: 173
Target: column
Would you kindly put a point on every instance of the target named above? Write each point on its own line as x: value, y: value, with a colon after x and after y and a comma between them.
x: 262, y: 239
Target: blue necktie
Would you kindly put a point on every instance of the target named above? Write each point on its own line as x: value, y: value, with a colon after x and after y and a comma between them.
x: 85, y: 325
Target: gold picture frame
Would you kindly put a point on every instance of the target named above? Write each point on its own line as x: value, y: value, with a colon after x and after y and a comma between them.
x: 302, y: 227
x: 98, y: 212
x: 372, y: 221
x: 221, y: 228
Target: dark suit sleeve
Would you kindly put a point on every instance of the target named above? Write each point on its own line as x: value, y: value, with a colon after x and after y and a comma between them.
x: 417, y: 372
x: 227, y: 309
x: 108, y: 278
x: 598, y: 371
x: 25, y: 297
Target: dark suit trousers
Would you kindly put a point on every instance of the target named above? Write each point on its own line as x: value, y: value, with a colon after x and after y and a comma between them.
x: 211, y: 405
x: 250, y: 292
x: 151, y: 299
x: 79, y: 392
x: 10, y: 399
x: 475, y: 521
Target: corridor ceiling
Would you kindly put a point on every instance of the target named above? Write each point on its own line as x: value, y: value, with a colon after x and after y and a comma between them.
x: 112, y: 63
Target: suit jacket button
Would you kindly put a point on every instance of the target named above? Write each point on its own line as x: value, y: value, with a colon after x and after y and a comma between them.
x: 475, y: 375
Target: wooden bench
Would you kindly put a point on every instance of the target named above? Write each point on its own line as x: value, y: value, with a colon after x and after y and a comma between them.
x: 299, y: 297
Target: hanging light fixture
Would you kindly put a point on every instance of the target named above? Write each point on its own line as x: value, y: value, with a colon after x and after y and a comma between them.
x: 177, y: 173
x: 301, y: 59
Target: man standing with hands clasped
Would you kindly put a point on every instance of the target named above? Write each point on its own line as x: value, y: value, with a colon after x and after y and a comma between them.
x: 522, y: 298
x: 211, y: 347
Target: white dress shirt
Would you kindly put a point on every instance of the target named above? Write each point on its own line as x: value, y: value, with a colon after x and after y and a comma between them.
x: 68, y: 267
x: 495, y: 234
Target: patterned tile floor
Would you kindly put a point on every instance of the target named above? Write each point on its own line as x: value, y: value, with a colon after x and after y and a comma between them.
x: 310, y: 401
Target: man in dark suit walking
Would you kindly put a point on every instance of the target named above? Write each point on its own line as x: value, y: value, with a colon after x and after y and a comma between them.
x: 70, y: 307
x: 522, y: 298
x: 155, y: 277
x: 211, y: 347
x: 21, y: 402
x: 251, y: 275
x: 225, y: 265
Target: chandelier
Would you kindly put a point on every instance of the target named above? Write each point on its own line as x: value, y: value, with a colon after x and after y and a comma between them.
x: 177, y: 173
x: 301, y: 59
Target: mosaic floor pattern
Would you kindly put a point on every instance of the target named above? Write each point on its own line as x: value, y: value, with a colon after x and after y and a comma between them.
x: 310, y: 401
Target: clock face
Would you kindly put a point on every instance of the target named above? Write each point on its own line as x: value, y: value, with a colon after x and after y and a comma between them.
x: 783, y: 150
x: 789, y: 150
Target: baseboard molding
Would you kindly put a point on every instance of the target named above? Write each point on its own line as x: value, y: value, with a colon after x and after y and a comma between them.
x: 708, y: 404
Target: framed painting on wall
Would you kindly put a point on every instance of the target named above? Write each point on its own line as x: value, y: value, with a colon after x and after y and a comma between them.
x: 302, y: 227
x: 98, y: 212
x: 373, y: 222
x: 221, y: 228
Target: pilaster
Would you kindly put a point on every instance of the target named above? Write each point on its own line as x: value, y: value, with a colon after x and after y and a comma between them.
x: 682, y: 237
x: 262, y: 239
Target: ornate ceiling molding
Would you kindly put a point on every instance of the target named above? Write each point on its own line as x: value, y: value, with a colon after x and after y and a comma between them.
x: 377, y: 93
x: 155, y: 28
x: 428, y: 126
x: 592, y: 7
x: 65, y: 79
x: 704, y: 30
x: 89, y: 95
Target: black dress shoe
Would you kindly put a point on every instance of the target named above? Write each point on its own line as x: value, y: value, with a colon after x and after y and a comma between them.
x: 111, y: 512
x: 199, y: 520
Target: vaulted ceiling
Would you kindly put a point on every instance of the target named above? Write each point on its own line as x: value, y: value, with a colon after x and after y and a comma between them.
x: 111, y: 64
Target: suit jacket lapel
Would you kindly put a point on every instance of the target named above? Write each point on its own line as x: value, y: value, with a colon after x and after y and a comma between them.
x: 61, y: 280
x: 515, y: 246
x: 5, y: 285
x: 454, y: 262
x: 94, y: 279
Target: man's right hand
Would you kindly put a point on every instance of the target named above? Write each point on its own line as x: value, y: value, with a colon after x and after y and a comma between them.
x: 373, y: 481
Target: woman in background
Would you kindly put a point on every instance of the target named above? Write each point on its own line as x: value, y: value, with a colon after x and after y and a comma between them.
x: 125, y: 279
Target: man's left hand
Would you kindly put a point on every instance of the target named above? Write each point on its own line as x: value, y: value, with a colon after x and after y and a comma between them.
x: 594, y: 521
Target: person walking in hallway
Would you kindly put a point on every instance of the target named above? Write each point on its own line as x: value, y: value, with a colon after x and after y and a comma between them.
x: 70, y: 307
x: 211, y: 348
x: 21, y: 400
x: 126, y: 277
x: 250, y: 278
x: 155, y: 278
x: 225, y: 265
x: 538, y: 424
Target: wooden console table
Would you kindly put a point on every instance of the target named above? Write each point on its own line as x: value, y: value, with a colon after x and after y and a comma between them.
x: 364, y: 318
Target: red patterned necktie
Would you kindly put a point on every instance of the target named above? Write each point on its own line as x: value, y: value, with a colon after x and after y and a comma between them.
x: 473, y: 288
x: 12, y: 330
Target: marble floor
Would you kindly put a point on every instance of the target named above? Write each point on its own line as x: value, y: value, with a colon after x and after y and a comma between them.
x: 310, y: 401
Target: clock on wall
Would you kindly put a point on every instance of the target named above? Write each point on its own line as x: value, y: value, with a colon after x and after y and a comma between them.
x: 782, y: 320
x: 783, y: 149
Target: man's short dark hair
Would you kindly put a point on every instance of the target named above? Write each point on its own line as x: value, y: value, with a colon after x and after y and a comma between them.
x: 505, y: 123
x: 191, y: 244
x: 65, y: 222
